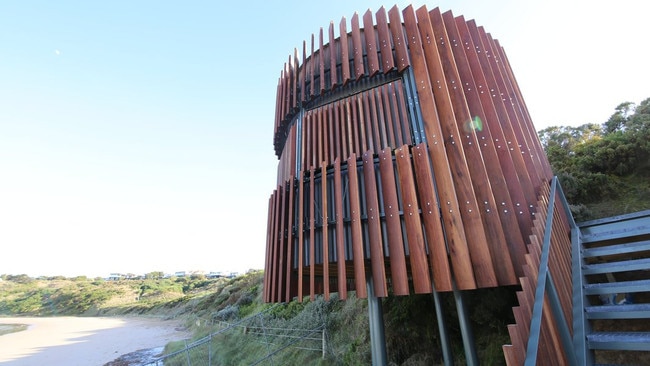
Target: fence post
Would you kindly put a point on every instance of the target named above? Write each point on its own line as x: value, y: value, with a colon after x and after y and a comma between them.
x: 266, y: 338
x: 187, y: 352
x: 324, y: 343
x: 210, y: 350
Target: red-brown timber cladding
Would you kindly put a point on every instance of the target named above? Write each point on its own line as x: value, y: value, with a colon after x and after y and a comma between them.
x: 407, y: 154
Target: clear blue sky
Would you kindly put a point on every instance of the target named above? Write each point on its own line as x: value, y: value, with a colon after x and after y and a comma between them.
x: 137, y: 135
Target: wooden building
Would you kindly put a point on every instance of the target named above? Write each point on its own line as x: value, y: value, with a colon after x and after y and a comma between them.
x: 406, y: 154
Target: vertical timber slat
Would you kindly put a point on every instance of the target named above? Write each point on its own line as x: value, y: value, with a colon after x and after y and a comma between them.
x: 441, y: 271
x: 384, y: 47
x: 340, y: 235
x: 357, y: 47
x: 371, y: 44
x: 417, y: 251
x: 356, y: 230
x: 393, y: 226
x: 325, y: 234
x: 456, y: 240
x: 374, y: 226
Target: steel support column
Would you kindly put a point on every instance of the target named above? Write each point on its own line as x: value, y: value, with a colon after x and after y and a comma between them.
x: 471, y: 357
x: 376, y: 322
x: 442, y: 329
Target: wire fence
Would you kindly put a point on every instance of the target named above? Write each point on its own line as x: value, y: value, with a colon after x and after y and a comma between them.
x: 255, y: 340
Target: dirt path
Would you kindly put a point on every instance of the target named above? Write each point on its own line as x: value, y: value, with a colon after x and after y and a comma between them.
x: 83, y: 341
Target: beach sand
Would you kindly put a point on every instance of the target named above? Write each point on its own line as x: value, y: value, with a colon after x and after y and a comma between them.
x: 74, y: 341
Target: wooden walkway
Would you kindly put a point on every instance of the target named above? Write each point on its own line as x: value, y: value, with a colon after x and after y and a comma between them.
x: 406, y: 153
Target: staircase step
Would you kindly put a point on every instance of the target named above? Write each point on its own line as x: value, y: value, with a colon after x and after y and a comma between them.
x: 620, y: 266
x: 631, y: 341
x: 633, y: 247
x: 617, y: 287
x: 626, y: 311
x: 623, y: 226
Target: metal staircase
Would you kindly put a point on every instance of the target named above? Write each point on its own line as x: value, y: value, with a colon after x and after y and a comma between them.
x: 615, y: 269
x: 585, y: 296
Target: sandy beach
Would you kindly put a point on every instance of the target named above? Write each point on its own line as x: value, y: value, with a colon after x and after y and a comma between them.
x: 83, y: 341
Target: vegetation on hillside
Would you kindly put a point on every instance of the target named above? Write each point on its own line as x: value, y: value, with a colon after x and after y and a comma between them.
x: 207, y: 305
x: 604, y: 170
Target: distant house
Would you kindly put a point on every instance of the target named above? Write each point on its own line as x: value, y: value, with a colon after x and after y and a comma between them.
x: 115, y: 277
x: 217, y: 274
x: 180, y: 274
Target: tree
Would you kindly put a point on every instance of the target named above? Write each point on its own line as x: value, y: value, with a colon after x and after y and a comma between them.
x: 619, y: 119
x: 590, y: 159
x: 155, y: 275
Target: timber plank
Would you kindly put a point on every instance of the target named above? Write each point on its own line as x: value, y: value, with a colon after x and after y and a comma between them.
x: 481, y: 105
x: 278, y: 108
x: 374, y: 226
x: 351, y: 126
x: 288, y: 80
x: 312, y: 70
x: 269, y: 246
x: 377, y: 106
x: 356, y: 229
x: 357, y: 47
x: 345, y: 56
x: 417, y: 250
x: 502, y: 123
x: 338, y: 135
x: 370, y: 122
x: 401, y: 111
x: 301, y: 232
x: 517, y: 353
x: 320, y: 138
x: 325, y: 232
x: 306, y: 141
x: 359, y: 120
x: 384, y: 45
x: 292, y: 149
x: 333, y: 54
x: 321, y: 62
x: 294, y: 95
x: 283, y: 91
x: 313, y: 138
x: 510, y: 355
x: 340, y: 117
x: 340, y: 234
x: 399, y: 41
x: 330, y: 138
x: 502, y: 92
x: 289, y: 240
x: 477, y: 240
x: 282, y: 244
x: 518, y: 102
x: 387, y: 114
x: 312, y: 235
x: 497, y: 244
x: 274, y: 260
x: 456, y: 239
x: 328, y: 120
x: 393, y: 224
x: 303, y: 73
x: 438, y: 259
x: 371, y: 44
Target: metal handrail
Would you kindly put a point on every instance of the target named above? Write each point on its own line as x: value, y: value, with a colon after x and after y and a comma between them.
x: 545, y: 282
